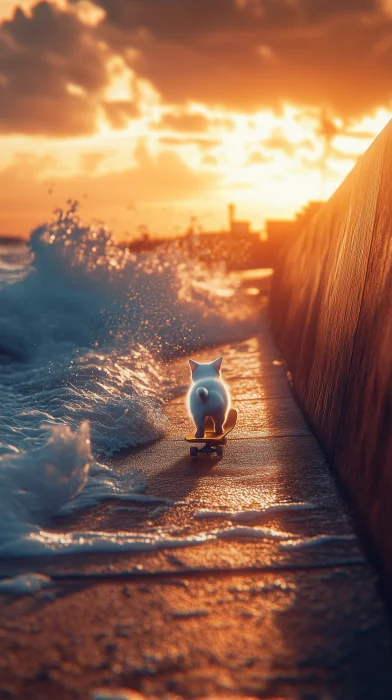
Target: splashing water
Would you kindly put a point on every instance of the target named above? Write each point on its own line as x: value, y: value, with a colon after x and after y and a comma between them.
x: 84, y: 327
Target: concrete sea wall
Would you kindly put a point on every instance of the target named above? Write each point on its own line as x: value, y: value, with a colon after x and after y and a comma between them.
x: 331, y: 314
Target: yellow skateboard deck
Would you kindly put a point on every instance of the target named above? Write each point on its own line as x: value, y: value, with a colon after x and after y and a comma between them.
x: 213, y: 440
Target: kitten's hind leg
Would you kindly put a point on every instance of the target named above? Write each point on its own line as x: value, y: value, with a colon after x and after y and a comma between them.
x: 200, y: 428
x: 219, y: 420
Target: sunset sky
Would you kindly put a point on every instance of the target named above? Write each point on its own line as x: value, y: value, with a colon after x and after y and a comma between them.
x: 151, y: 111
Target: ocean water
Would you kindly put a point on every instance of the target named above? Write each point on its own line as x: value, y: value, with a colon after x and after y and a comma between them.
x: 86, y: 328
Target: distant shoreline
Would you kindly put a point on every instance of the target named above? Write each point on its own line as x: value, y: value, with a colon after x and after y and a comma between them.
x: 12, y: 239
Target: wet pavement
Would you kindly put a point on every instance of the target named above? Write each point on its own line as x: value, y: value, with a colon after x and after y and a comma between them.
x: 261, y: 590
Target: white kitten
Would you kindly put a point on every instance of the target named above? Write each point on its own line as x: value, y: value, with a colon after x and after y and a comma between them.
x: 208, y: 395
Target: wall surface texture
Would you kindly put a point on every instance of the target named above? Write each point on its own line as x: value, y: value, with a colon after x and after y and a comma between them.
x: 331, y: 314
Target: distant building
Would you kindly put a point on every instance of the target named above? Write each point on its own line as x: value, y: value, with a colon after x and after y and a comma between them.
x: 241, y: 248
x: 238, y: 247
x: 284, y: 229
x: 280, y: 229
x: 237, y: 228
x: 307, y: 213
x: 281, y: 233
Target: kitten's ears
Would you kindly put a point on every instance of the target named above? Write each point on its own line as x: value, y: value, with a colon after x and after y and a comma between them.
x: 193, y: 365
x: 216, y: 364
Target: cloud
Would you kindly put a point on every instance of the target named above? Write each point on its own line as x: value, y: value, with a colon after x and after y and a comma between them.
x: 119, y: 112
x: 321, y: 52
x: 105, y: 195
x: 241, y: 55
x: 338, y: 154
x: 193, y: 141
x: 278, y: 142
x: 186, y: 122
x: 258, y: 158
x: 40, y: 56
x: 90, y: 162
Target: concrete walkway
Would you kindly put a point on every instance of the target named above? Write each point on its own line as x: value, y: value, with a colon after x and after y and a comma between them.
x: 275, y: 603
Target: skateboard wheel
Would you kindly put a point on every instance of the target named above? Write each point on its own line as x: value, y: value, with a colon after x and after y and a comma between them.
x: 219, y: 450
x: 193, y: 451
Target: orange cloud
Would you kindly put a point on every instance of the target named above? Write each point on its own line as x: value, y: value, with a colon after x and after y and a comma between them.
x: 227, y: 53
x: 106, y: 196
x: 184, y: 121
x: 55, y: 61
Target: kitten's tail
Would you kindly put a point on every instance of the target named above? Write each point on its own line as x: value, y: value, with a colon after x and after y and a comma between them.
x: 202, y: 393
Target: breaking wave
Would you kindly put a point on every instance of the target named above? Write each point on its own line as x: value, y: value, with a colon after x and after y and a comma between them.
x: 85, y: 330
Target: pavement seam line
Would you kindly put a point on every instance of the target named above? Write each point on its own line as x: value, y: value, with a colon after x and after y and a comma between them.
x: 194, y: 572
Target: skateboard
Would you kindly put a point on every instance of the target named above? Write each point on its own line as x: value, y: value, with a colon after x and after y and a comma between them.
x: 213, y: 442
